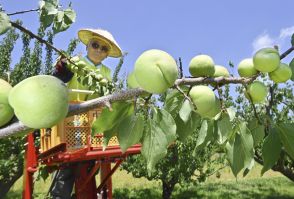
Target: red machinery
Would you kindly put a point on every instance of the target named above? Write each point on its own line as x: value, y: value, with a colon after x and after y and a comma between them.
x: 71, y: 143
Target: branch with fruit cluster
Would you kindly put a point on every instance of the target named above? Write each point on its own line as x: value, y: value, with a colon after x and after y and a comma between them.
x: 18, y: 126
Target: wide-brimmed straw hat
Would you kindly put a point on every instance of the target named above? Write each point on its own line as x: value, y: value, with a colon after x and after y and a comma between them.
x: 85, y: 35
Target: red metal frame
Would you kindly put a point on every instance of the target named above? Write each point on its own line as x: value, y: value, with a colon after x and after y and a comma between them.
x: 85, y: 184
x: 30, y: 166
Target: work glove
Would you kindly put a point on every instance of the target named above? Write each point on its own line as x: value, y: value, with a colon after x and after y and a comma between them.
x: 61, y: 71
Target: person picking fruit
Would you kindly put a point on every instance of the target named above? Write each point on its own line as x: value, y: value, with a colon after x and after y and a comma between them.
x: 100, y: 44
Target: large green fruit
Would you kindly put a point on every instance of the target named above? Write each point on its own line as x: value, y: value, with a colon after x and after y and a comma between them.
x: 202, y: 66
x: 203, y: 97
x: 6, y: 111
x: 131, y: 81
x: 246, y: 68
x: 266, y: 60
x: 292, y: 69
x: 221, y: 71
x: 258, y: 92
x: 281, y: 74
x: 215, y: 109
x: 40, y: 101
x: 155, y: 71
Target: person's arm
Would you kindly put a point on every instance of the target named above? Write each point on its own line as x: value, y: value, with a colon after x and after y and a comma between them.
x: 61, y: 71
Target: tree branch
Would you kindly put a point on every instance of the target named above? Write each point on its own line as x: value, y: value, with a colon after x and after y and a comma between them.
x: 287, y: 52
x: 22, y: 12
x: 118, y: 96
x: 209, y: 80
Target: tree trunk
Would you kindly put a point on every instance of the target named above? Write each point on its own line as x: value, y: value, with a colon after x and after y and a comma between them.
x: 6, y: 185
x: 167, y: 189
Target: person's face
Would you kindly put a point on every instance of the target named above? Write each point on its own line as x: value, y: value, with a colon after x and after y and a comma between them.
x: 97, y: 50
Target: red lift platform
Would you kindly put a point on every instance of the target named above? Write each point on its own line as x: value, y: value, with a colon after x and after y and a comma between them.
x: 70, y: 144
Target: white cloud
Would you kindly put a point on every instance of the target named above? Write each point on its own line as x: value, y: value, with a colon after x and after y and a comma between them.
x: 286, y: 32
x: 261, y: 41
x: 266, y: 40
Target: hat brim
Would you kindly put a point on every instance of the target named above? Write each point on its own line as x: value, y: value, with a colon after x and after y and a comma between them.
x: 85, y: 35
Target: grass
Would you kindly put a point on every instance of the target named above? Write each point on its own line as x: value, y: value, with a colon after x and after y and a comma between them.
x: 271, y: 185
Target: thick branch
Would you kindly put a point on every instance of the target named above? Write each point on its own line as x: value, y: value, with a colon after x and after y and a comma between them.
x: 121, y: 95
x: 218, y: 80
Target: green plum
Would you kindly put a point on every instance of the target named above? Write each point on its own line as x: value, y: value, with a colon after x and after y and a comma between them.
x: 203, y: 97
x: 6, y: 111
x: 221, y: 71
x: 246, y: 68
x: 258, y: 92
x: 202, y: 66
x: 266, y: 60
x: 155, y: 71
x: 40, y: 101
x: 131, y: 81
x: 281, y: 74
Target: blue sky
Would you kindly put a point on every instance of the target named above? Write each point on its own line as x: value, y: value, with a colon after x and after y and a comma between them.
x: 226, y: 30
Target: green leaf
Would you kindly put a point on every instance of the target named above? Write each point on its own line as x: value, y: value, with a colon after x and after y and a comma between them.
x: 59, y: 17
x: 48, y: 10
x: 232, y: 113
x: 60, y: 27
x: 240, y: 151
x: 154, y: 145
x: 69, y: 16
x: 166, y: 123
x: 292, y: 39
x: 224, y: 128
x: 185, y: 111
x: 186, y: 129
x: 5, y: 24
x: 286, y: 134
x: 257, y: 131
x: 173, y: 102
x: 205, y: 134
x: 271, y: 150
x: 110, y: 118
x: 248, y: 169
x: 107, y: 135
x: 63, y: 20
x: 130, y: 131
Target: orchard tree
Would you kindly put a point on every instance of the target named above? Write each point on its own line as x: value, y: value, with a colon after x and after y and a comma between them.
x: 180, y: 165
x: 133, y: 116
x: 270, y: 124
x: 31, y: 63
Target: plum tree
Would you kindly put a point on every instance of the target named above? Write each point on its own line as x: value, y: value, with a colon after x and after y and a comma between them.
x: 202, y: 66
x: 40, y: 101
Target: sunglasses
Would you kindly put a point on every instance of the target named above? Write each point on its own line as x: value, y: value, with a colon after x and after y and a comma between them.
x: 96, y: 45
